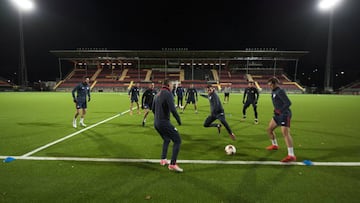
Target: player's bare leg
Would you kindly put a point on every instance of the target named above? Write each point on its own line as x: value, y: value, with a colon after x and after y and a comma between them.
x: 138, y: 108
x: 75, y: 117
x: 272, y: 136
x: 82, y: 118
x: 289, y: 143
x: 131, y: 107
x: 145, y: 115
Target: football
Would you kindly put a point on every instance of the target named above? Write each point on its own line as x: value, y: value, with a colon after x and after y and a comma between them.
x: 230, y: 149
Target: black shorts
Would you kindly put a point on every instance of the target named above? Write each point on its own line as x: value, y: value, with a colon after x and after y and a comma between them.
x: 148, y: 106
x: 81, y: 104
x: 190, y: 100
x: 134, y: 99
x: 282, y: 119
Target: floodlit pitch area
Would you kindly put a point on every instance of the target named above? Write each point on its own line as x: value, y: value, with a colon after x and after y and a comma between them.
x: 115, y: 159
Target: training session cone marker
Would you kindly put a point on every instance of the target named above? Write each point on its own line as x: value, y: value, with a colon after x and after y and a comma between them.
x: 9, y: 159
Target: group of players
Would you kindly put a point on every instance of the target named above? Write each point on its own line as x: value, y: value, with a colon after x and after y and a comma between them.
x: 162, y: 103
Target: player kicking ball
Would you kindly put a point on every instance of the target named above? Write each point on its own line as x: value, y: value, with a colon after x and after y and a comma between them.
x: 216, y: 112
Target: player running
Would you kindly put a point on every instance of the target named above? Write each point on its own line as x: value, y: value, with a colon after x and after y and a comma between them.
x: 216, y: 112
x: 82, y: 91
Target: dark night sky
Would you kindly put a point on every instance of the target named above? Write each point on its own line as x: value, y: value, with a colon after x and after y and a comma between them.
x: 196, y: 25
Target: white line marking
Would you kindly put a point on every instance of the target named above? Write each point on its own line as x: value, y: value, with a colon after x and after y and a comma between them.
x: 180, y: 161
x: 73, y: 134
x: 28, y: 157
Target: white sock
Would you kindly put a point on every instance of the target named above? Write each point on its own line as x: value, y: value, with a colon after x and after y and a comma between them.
x: 274, y: 142
x: 291, y: 151
x: 74, y: 120
x: 81, y: 120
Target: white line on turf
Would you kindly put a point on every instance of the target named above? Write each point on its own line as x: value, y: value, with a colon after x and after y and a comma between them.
x: 73, y: 134
x: 180, y: 161
x: 28, y: 157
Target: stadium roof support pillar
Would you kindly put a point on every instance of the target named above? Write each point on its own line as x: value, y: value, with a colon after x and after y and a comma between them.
x: 192, y: 69
x: 296, y: 67
x: 274, y: 66
x: 138, y: 70
x: 247, y: 66
x: 219, y: 70
x: 60, y: 72
x: 165, y: 72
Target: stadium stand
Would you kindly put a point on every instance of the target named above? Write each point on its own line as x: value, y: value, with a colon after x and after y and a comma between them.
x: 187, y: 67
x: 5, y: 85
x: 353, y: 88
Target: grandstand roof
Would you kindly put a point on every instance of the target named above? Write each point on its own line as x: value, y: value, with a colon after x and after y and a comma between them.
x: 178, y: 54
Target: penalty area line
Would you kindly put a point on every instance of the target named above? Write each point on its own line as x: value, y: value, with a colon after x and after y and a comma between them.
x: 119, y: 160
x: 73, y: 134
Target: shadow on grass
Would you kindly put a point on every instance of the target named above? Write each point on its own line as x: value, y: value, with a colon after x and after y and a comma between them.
x: 41, y: 124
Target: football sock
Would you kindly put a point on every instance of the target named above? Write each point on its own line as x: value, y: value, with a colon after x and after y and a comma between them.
x: 274, y: 142
x: 291, y: 151
x: 81, y: 120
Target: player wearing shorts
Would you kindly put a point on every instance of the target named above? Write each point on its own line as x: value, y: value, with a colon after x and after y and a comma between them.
x: 227, y: 90
x: 82, y: 91
x: 282, y: 118
x: 191, y: 96
x: 134, y: 94
x: 251, y: 97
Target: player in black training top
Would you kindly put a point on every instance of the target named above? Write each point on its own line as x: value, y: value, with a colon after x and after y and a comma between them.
x: 216, y: 112
x: 191, y: 96
x: 147, y: 100
x: 180, y: 95
x: 162, y: 106
x: 82, y: 90
x: 134, y: 94
x: 251, y: 97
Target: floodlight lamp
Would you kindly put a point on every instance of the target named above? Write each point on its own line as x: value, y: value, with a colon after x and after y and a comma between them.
x: 24, y: 5
x: 328, y: 4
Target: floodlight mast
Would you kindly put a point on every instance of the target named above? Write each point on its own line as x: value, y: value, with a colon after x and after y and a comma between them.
x: 22, y: 5
x: 328, y: 5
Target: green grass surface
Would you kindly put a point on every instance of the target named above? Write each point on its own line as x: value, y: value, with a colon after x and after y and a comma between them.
x: 325, y: 128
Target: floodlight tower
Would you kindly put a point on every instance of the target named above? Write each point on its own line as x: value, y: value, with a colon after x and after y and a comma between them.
x: 328, y: 5
x: 22, y: 6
